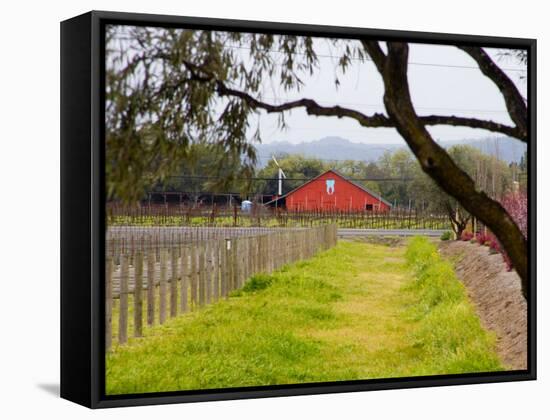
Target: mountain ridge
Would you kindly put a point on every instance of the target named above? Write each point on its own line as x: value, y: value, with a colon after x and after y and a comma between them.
x: 339, y: 148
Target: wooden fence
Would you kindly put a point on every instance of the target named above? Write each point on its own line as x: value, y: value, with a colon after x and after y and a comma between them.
x: 124, y: 238
x: 147, y: 283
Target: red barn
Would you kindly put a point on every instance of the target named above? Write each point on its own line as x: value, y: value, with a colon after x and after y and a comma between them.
x: 331, y: 191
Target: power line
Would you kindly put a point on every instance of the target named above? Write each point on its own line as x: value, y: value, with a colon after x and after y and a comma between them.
x: 366, y: 58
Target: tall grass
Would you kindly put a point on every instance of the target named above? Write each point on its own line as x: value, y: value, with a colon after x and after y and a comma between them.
x: 449, y: 332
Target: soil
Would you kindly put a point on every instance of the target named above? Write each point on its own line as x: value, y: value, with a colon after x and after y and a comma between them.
x: 497, y: 296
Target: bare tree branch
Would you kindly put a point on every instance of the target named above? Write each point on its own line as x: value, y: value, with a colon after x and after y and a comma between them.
x: 473, y: 123
x: 515, y: 103
x: 375, y: 120
x: 312, y: 108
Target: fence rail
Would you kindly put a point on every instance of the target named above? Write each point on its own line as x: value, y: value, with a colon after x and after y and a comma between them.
x: 151, y: 281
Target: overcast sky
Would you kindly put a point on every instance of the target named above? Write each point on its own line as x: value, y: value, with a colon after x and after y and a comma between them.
x: 443, y: 80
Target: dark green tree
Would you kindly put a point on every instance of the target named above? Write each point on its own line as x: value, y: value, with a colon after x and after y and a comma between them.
x: 208, y: 168
x: 399, y: 166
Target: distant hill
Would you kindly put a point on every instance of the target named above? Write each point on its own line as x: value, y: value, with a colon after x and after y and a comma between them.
x: 506, y: 148
x: 338, y: 148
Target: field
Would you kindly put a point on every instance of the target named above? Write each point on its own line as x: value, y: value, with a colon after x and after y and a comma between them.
x: 356, y: 311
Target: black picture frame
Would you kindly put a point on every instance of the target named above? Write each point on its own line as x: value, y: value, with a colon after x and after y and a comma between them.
x: 83, y: 210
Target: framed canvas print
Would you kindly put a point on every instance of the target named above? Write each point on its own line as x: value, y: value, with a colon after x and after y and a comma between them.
x: 255, y: 209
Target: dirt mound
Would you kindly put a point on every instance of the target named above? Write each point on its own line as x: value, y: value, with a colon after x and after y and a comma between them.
x: 496, y: 293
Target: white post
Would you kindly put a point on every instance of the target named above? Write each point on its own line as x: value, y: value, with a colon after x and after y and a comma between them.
x: 280, y: 189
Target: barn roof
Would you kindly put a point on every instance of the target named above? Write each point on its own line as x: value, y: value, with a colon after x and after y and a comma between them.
x: 377, y: 196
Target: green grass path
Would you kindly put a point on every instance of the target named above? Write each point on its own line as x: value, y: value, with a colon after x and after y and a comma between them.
x: 353, y: 312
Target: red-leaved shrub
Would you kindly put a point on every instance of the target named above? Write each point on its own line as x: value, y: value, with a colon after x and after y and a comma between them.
x: 482, y: 238
x: 490, y: 240
x: 466, y: 236
x: 494, y: 244
x: 516, y: 206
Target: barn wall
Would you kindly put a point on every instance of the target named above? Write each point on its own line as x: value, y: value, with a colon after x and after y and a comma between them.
x: 346, y: 196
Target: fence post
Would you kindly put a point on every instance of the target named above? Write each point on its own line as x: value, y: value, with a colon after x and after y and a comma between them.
x: 194, y: 276
x: 151, y: 286
x: 264, y: 252
x: 271, y: 250
x: 138, y: 293
x: 123, y: 298
x: 236, y: 263
x: 217, y: 268
x: 249, y: 258
x: 201, y: 276
x: 244, y: 260
x: 258, y: 257
x: 162, y: 286
x: 225, y: 271
x: 275, y: 248
x: 254, y: 254
x: 108, y: 302
x: 209, y: 271
x: 183, y: 279
x: 244, y: 274
x: 174, y: 282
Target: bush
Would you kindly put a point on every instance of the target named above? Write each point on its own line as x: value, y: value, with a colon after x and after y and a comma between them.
x: 482, y: 238
x: 516, y: 206
x: 445, y: 236
x: 489, y: 240
x: 466, y: 236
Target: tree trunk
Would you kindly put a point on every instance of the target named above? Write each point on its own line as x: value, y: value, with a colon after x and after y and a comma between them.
x: 436, y: 162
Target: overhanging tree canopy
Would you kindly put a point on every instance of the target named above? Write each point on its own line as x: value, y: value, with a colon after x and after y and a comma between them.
x: 168, y: 88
